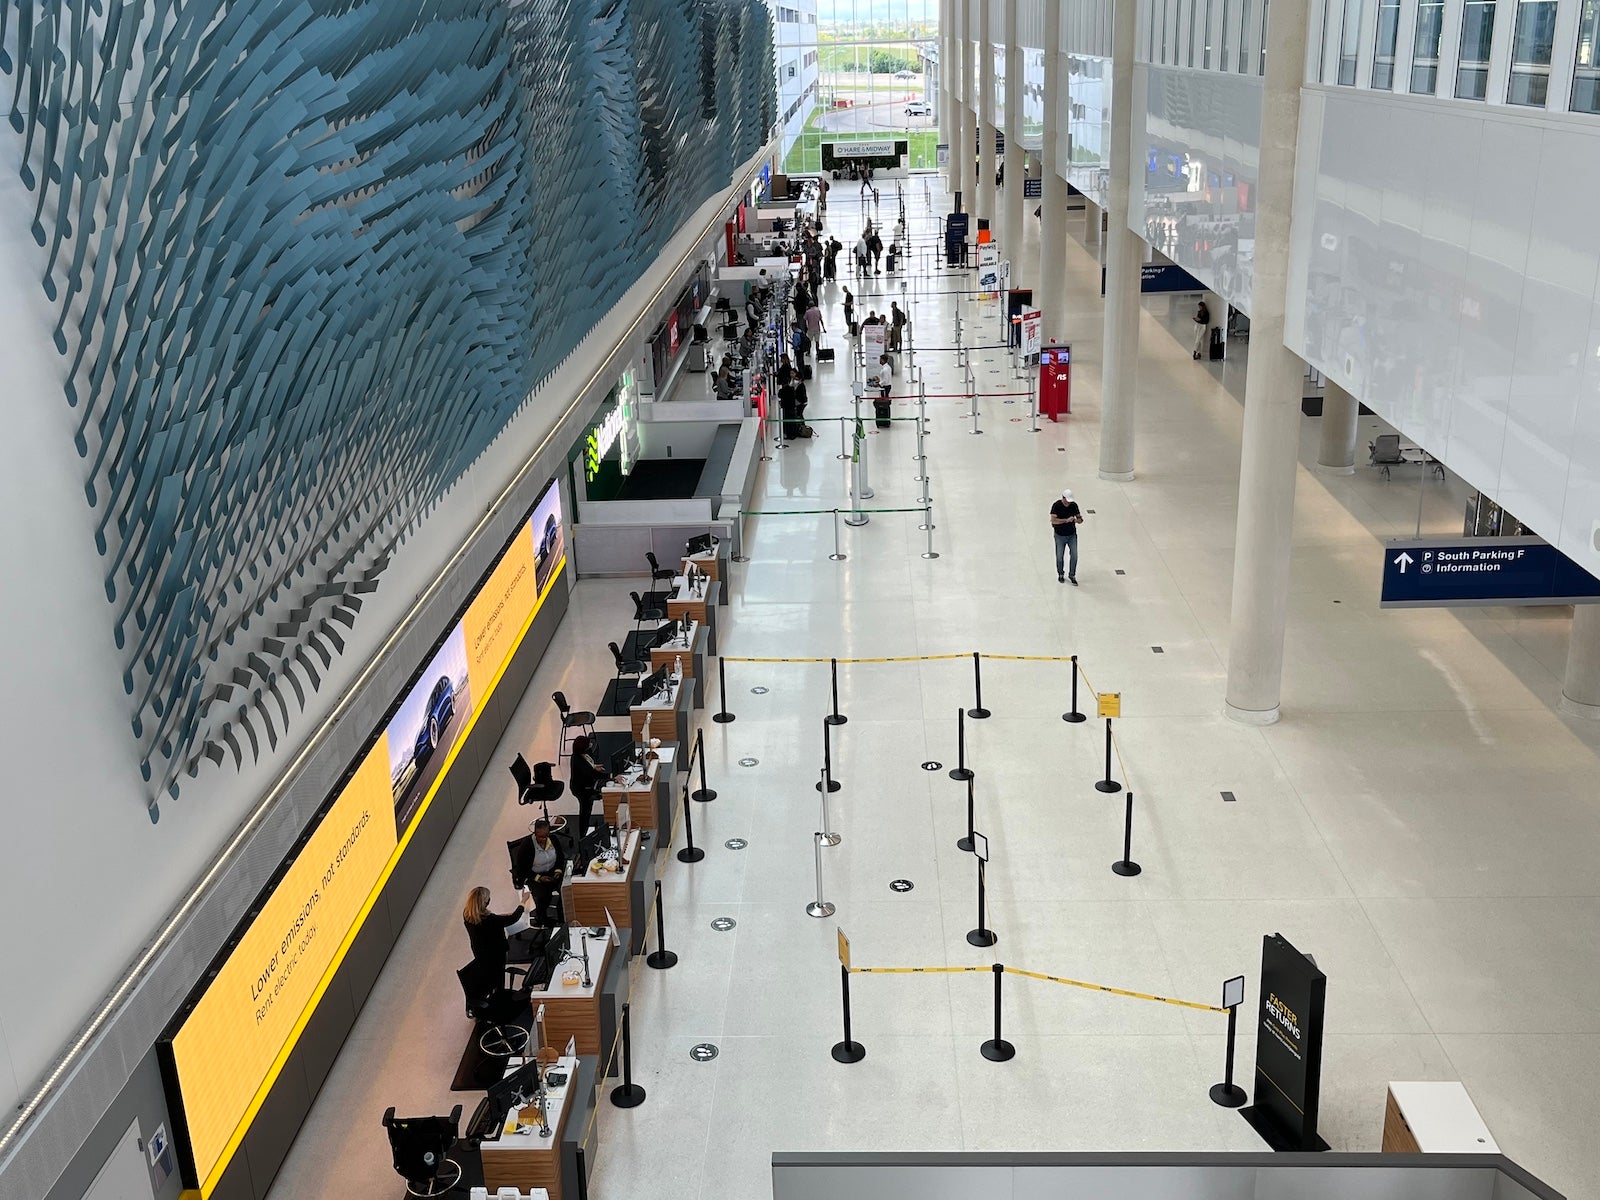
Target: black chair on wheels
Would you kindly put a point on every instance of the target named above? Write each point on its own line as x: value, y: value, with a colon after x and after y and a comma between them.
x: 583, y: 722
x: 538, y: 786
x: 647, y: 610
x: 627, y: 666
x: 421, y: 1147
x: 658, y: 573
x: 494, y: 1003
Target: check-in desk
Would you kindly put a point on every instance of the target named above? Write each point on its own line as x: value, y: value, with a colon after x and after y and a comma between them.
x: 667, y: 713
x: 713, y: 563
x: 647, y: 794
x: 688, y: 649
x: 699, y: 606
x: 625, y: 894
x: 1434, y: 1118
x: 586, y: 1014
x: 522, y: 1159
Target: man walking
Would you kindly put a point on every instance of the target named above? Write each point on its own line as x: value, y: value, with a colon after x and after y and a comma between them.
x: 1065, y: 517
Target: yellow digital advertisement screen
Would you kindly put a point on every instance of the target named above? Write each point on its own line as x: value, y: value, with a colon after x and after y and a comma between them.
x: 229, y: 1043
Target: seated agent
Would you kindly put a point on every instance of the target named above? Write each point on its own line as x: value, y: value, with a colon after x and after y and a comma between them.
x: 487, y: 931
x: 543, y: 867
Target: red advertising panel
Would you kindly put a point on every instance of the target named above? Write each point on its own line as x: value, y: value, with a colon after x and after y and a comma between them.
x: 1055, y: 381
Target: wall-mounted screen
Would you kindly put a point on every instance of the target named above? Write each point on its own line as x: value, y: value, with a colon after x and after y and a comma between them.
x: 222, y: 1053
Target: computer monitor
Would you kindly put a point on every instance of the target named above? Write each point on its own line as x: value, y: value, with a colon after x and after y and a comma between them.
x: 667, y: 633
x: 623, y: 758
x: 555, y: 949
x: 516, y: 1089
x: 698, y: 545
x: 652, y: 683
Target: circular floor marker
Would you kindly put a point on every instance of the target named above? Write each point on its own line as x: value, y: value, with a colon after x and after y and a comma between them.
x: 901, y: 885
x: 930, y: 765
x: 735, y: 843
x: 723, y: 924
x: 749, y: 762
x: 703, y: 1052
x: 758, y: 691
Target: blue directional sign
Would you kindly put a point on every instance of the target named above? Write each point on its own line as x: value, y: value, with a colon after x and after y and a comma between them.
x: 1460, y: 572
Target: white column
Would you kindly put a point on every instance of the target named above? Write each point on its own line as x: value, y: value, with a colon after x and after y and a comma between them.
x: 1337, y: 453
x: 1580, y: 692
x: 1052, y: 294
x: 1011, y: 225
x: 984, y: 186
x: 961, y: 149
x: 1271, y: 399
x: 1218, y: 307
x: 944, y: 109
x: 1124, y: 256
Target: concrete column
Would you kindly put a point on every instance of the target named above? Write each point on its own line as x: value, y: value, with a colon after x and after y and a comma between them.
x: 1337, y: 453
x: 1271, y: 399
x: 961, y: 150
x: 1052, y: 294
x: 1011, y: 226
x: 1124, y: 256
x: 1580, y: 692
x: 944, y: 108
x: 984, y: 186
x: 1218, y: 306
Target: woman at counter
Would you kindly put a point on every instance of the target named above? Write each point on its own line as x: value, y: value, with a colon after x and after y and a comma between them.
x: 487, y: 931
x: 588, y: 777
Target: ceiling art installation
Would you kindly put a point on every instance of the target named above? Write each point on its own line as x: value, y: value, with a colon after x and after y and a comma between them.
x: 307, y: 258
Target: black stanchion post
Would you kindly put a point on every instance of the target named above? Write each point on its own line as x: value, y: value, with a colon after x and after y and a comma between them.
x: 583, y: 1174
x: 998, y: 1049
x: 1074, y: 716
x: 978, y: 712
x: 630, y: 1094
x: 1227, y: 1093
x: 1108, y: 784
x: 690, y: 853
x: 827, y: 760
x: 1127, y: 866
x: 849, y: 1050
x: 960, y: 771
x: 835, y: 717
x: 660, y: 958
x: 704, y: 793
x: 982, y: 935
x: 965, y: 843
x: 723, y: 716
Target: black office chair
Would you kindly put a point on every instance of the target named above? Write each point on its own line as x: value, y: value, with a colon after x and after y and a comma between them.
x: 647, y: 610
x: 520, y: 852
x: 570, y: 720
x: 421, y: 1147
x: 495, y: 1003
x: 658, y: 573
x: 627, y: 666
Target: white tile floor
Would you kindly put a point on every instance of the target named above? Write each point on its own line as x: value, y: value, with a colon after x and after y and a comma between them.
x: 1422, y: 820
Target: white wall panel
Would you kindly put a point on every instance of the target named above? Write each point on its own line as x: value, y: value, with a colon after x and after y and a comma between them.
x: 1467, y: 312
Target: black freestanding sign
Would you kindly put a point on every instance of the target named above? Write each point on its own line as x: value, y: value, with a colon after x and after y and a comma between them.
x: 1288, y: 1048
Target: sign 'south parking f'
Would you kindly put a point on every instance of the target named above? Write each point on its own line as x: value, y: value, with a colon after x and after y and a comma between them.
x: 1457, y: 572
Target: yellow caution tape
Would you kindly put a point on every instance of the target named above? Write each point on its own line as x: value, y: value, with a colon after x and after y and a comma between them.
x: 1100, y: 987
x: 1029, y: 657
x: 917, y: 970
x: 900, y: 658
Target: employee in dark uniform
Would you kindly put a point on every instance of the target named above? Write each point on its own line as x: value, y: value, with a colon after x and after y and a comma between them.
x: 1065, y: 517
x: 487, y: 930
x: 542, y: 865
x: 588, y: 777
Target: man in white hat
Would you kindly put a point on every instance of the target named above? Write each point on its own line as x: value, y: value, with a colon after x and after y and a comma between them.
x: 1065, y: 517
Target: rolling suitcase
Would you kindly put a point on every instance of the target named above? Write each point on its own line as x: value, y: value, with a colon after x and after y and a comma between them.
x: 825, y: 354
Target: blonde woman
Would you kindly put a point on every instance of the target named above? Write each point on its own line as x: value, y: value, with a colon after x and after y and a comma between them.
x: 487, y: 930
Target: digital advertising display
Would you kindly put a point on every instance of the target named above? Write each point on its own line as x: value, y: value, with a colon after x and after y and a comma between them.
x: 1288, y: 1048
x: 223, y: 1052
x: 235, y: 1035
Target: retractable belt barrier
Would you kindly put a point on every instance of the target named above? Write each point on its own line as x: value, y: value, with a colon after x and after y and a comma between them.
x: 1061, y: 979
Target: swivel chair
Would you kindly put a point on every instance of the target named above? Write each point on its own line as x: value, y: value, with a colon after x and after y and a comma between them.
x: 570, y: 720
x: 628, y: 666
x: 647, y: 610
x: 421, y: 1148
x: 538, y: 786
x: 494, y: 1004
x: 658, y: 573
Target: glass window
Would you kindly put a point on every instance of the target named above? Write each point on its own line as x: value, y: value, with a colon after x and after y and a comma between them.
x: 1261, y: 59
x: 1533, y: 39
x: 1205, y: 38
x: 1244, y: 37
x: 1350, y: 41
x: 1586, y: 72
x: 1227, y: 20
x: 1425, y: 47
x: 1477, y: 36
x: 1194, y: 31
x: 1388, y: 36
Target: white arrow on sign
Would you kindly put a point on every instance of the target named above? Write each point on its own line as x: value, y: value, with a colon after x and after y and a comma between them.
x: 1403, y: 560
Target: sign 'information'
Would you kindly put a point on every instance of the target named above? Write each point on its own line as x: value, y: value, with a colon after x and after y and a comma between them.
x: 1457, y: 572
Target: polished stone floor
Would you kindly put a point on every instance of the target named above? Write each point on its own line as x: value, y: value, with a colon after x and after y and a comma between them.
x: 1422, y: 821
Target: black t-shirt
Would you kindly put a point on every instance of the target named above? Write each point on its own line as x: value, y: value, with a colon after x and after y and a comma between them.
x: 488, y: 936
x: 1065, y: 508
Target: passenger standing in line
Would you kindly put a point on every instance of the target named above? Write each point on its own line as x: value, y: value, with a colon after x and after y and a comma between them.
x: 850, y: 312
x: 1202, y: 326
x: 1065, y: 517
x: 862, y: 255
x: 875, y: 248
x: 814, y: 325
x: 897, y: 323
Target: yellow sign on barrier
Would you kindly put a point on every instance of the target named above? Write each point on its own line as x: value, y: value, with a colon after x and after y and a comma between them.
x: 1110, y: 704
x: 844, y: 950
